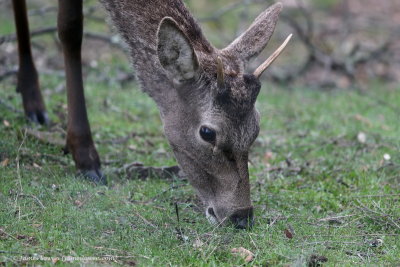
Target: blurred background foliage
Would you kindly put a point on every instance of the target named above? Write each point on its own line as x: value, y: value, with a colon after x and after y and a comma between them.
x: 336, y: 44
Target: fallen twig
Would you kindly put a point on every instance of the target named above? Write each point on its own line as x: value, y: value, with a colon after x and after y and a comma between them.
x: 335, y: 218
x: 379, y: 195
x: 113, y: 41
x: 137, y: 170
x: 7, y: 234
x: 144, y: 219
x: 34, y: 197
x: 350, y: 236
x: 15, y: 253
x: 8, y: 73
x: 329, y: 242
x: 388, y: 217
x: 166, y: 190
x: 46, y: 137
x: 9, y: 107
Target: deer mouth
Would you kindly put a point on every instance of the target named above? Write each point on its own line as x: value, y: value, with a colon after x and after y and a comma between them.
x: 240, y: 219
x: 211, y: 217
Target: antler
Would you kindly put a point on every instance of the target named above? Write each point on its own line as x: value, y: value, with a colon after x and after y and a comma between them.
x: 271, y: 58
x: 220, y: 73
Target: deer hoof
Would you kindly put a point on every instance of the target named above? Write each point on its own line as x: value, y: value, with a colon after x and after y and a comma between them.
x: 38, y: 117
x: 95, y: 176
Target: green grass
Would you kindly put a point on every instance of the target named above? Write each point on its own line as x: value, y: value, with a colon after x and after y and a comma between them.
x: 310, y: 175
x: 331, y: 174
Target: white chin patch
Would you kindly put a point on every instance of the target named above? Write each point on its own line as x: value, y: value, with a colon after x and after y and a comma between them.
x: 211, y: 219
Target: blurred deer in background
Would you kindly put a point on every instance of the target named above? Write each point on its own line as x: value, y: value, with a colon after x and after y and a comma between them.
x: 205, y: 97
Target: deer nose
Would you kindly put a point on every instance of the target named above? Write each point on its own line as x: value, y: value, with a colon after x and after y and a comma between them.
x: 243, y: 218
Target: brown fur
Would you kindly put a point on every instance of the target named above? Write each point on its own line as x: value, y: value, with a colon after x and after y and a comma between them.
x: 181, y: 76
x: 179, y: 69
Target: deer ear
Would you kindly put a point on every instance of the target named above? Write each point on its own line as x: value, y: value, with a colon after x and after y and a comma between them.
x: 175, y: 52
x: 256, y: 37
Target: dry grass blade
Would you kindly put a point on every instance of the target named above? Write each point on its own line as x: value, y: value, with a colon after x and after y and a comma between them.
x: 246, y: 254
x: 33, y: 197
x: 46, y: 137
x: 145, y: 220
x: 336, y: 218
x: 383, y: 216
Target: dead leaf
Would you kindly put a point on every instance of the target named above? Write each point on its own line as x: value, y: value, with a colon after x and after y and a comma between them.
x: 363, y: 119
x: 21, y: 237
x: 36, y: 166
x: 198, y: 244
x: 32, y: 240
x: 78, y: 203
x: 316, y: 260
x: 130, y: 263
x: 378, y: 242
x: 364, y: 168
x: 246, y: 254
x: 288, y: 233
x: 132, y: 147
x: 4, y: 162
x: 385, y: 127
x: 268, y: 156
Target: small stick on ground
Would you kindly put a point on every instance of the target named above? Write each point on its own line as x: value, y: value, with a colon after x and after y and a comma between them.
x: 34, y: 197
x: 46, y: 137
x: 145, y: 220
x: 9, y: 106
x: 385, y: 217
x: 7, y: 234
x: 335, y: 218
x: 382, y: 195
x: 330, y: 242
x: 17, y: 160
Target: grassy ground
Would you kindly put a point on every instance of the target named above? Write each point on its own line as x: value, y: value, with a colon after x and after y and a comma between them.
x: 324, y: 179
x: 310, y: 175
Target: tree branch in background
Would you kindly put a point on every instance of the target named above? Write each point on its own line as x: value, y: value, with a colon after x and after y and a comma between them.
x: 113, y: 40
x: 319, y: 58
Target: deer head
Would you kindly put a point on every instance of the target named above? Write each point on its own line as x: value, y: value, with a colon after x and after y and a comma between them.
x: 211, y: 120
x: 205, y: 96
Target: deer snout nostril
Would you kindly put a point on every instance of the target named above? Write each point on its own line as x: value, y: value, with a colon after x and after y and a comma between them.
x: 211, y: 211
x: 210, y: 214
x: 243, y: 218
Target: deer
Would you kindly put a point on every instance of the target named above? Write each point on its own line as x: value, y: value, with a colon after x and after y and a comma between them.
x: 205, y: 96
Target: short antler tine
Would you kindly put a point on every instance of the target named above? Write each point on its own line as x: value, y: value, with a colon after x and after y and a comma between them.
x: 257, y: 73
x: 220, y: 73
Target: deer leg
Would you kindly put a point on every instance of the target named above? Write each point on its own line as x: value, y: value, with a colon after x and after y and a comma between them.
x: 79, y: 137
x: 27, y: 79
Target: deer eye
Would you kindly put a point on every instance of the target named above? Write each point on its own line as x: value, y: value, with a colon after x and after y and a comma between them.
x: 207, y: 134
